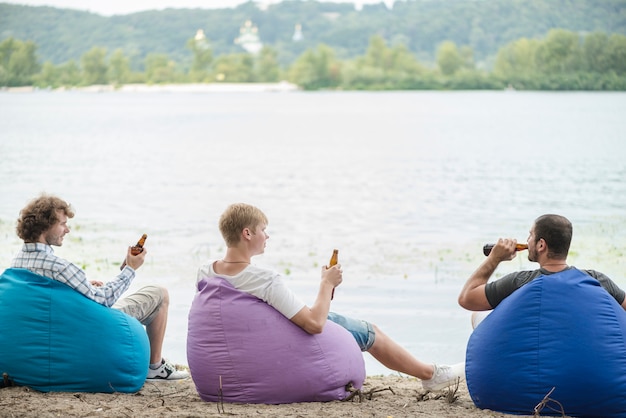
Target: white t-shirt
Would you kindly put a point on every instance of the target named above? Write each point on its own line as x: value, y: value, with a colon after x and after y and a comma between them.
x: 264, y: 284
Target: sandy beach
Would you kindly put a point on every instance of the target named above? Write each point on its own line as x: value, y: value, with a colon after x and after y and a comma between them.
x: 384, y: 396
x: 282, y: 86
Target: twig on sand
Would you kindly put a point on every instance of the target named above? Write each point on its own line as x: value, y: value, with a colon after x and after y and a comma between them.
x: 358, y: 392
x: 544, y: 404
x: 158, y: 388
x: 450, y: 394
x: 220, y: 399
x: 6, y: 381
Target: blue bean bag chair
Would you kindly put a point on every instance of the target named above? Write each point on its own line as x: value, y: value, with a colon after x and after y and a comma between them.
x: 52, y: 338
x: 561, y: 332
x: 240, y: 349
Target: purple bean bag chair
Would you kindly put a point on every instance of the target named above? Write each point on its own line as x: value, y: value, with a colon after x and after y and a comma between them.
x: 240, y: 349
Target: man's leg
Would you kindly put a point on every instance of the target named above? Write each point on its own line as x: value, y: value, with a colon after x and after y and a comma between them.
x: 156, y: 330
x: 149, y: 305
x: 391, y: 355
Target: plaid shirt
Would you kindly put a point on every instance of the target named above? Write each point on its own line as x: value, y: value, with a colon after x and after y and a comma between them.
x: 40, y: 259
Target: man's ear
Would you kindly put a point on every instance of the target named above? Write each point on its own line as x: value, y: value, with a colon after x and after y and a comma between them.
x: 541, y: 245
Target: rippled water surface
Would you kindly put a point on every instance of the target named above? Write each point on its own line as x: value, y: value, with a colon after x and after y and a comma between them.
x: 407, y: 185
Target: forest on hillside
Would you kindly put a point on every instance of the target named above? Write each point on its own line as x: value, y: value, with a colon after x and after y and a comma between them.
x: 421, y: 26
x: 418, y: 44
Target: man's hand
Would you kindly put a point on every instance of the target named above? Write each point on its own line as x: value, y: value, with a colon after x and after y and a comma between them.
x: 135, y: 261
x: 313, y: 319
x: 472, y: 296
x: 504, y: 250
x: 332, y: 275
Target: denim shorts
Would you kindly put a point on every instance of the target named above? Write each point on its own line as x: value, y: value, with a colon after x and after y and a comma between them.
x: 362, y: 331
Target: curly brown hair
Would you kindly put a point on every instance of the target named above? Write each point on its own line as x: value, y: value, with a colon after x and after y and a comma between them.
x: 40, y: 215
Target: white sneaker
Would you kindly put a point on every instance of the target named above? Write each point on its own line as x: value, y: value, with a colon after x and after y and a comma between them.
x: 445, y: 376
x: 167, y: 371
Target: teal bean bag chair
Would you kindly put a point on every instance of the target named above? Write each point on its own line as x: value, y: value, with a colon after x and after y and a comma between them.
x: 53, y: 339
x: 561, y: 337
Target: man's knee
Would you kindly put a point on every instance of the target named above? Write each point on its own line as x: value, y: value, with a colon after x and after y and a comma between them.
x: 159, y: 293
x: 146, y: 304
x: 478, y: 317
x: 165, y: 295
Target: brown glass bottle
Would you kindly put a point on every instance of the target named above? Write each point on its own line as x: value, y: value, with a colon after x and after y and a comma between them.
x: 136, y: 249
x: 334, y: 259
x: 518, y: 247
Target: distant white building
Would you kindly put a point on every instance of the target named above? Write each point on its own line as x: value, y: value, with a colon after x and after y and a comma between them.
x: 297, y: 33
x: 199, y: 35
x: 249, y: 38
x: 200, y: 40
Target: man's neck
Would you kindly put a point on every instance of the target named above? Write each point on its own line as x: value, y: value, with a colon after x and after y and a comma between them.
x: 236, y: 255
x: 554, y: 266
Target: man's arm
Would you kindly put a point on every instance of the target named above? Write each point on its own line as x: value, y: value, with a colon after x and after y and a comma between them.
x: 313, y: 319
x: 105, y: 293
x: 472, y: 296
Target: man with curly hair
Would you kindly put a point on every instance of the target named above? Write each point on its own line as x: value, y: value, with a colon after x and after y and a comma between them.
x: 43, y: 224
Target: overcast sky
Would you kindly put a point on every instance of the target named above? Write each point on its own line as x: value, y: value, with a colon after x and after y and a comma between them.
x: 111, y: 7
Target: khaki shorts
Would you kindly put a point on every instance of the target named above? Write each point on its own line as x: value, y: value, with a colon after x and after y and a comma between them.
x: 143, y: 304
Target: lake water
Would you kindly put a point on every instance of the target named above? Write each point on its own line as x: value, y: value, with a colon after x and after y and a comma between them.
x: 407, y: 185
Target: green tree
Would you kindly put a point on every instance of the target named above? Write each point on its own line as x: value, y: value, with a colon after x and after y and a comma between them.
x: 559, y: 53
x: 617, y: 54
x: 119, y: 68
x: 69, y: 74
x: 234, y: 68
x: 18, y: 62
x: 394, y: 59
x: 595, y: 56
x: 94, y: 66
x: 202, y: 57
x: 383, y: 68
x: 467, y: 57
x: 378, y: 55
x: 48, y: 76
x: 267, y: 69
x: 449, y: 60
x: 160, y: 69
x: 516, y: 58
x: 316, y: 69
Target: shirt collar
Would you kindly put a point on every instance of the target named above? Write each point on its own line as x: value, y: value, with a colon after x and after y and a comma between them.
x: 37, y: 246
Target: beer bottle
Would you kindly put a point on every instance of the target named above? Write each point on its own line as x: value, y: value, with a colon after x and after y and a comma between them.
x: 136, y: 249
x: 334, y: 259
x: 518, y: 247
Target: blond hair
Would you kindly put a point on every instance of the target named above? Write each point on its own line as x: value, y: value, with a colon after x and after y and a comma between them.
x: 237, y: 217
